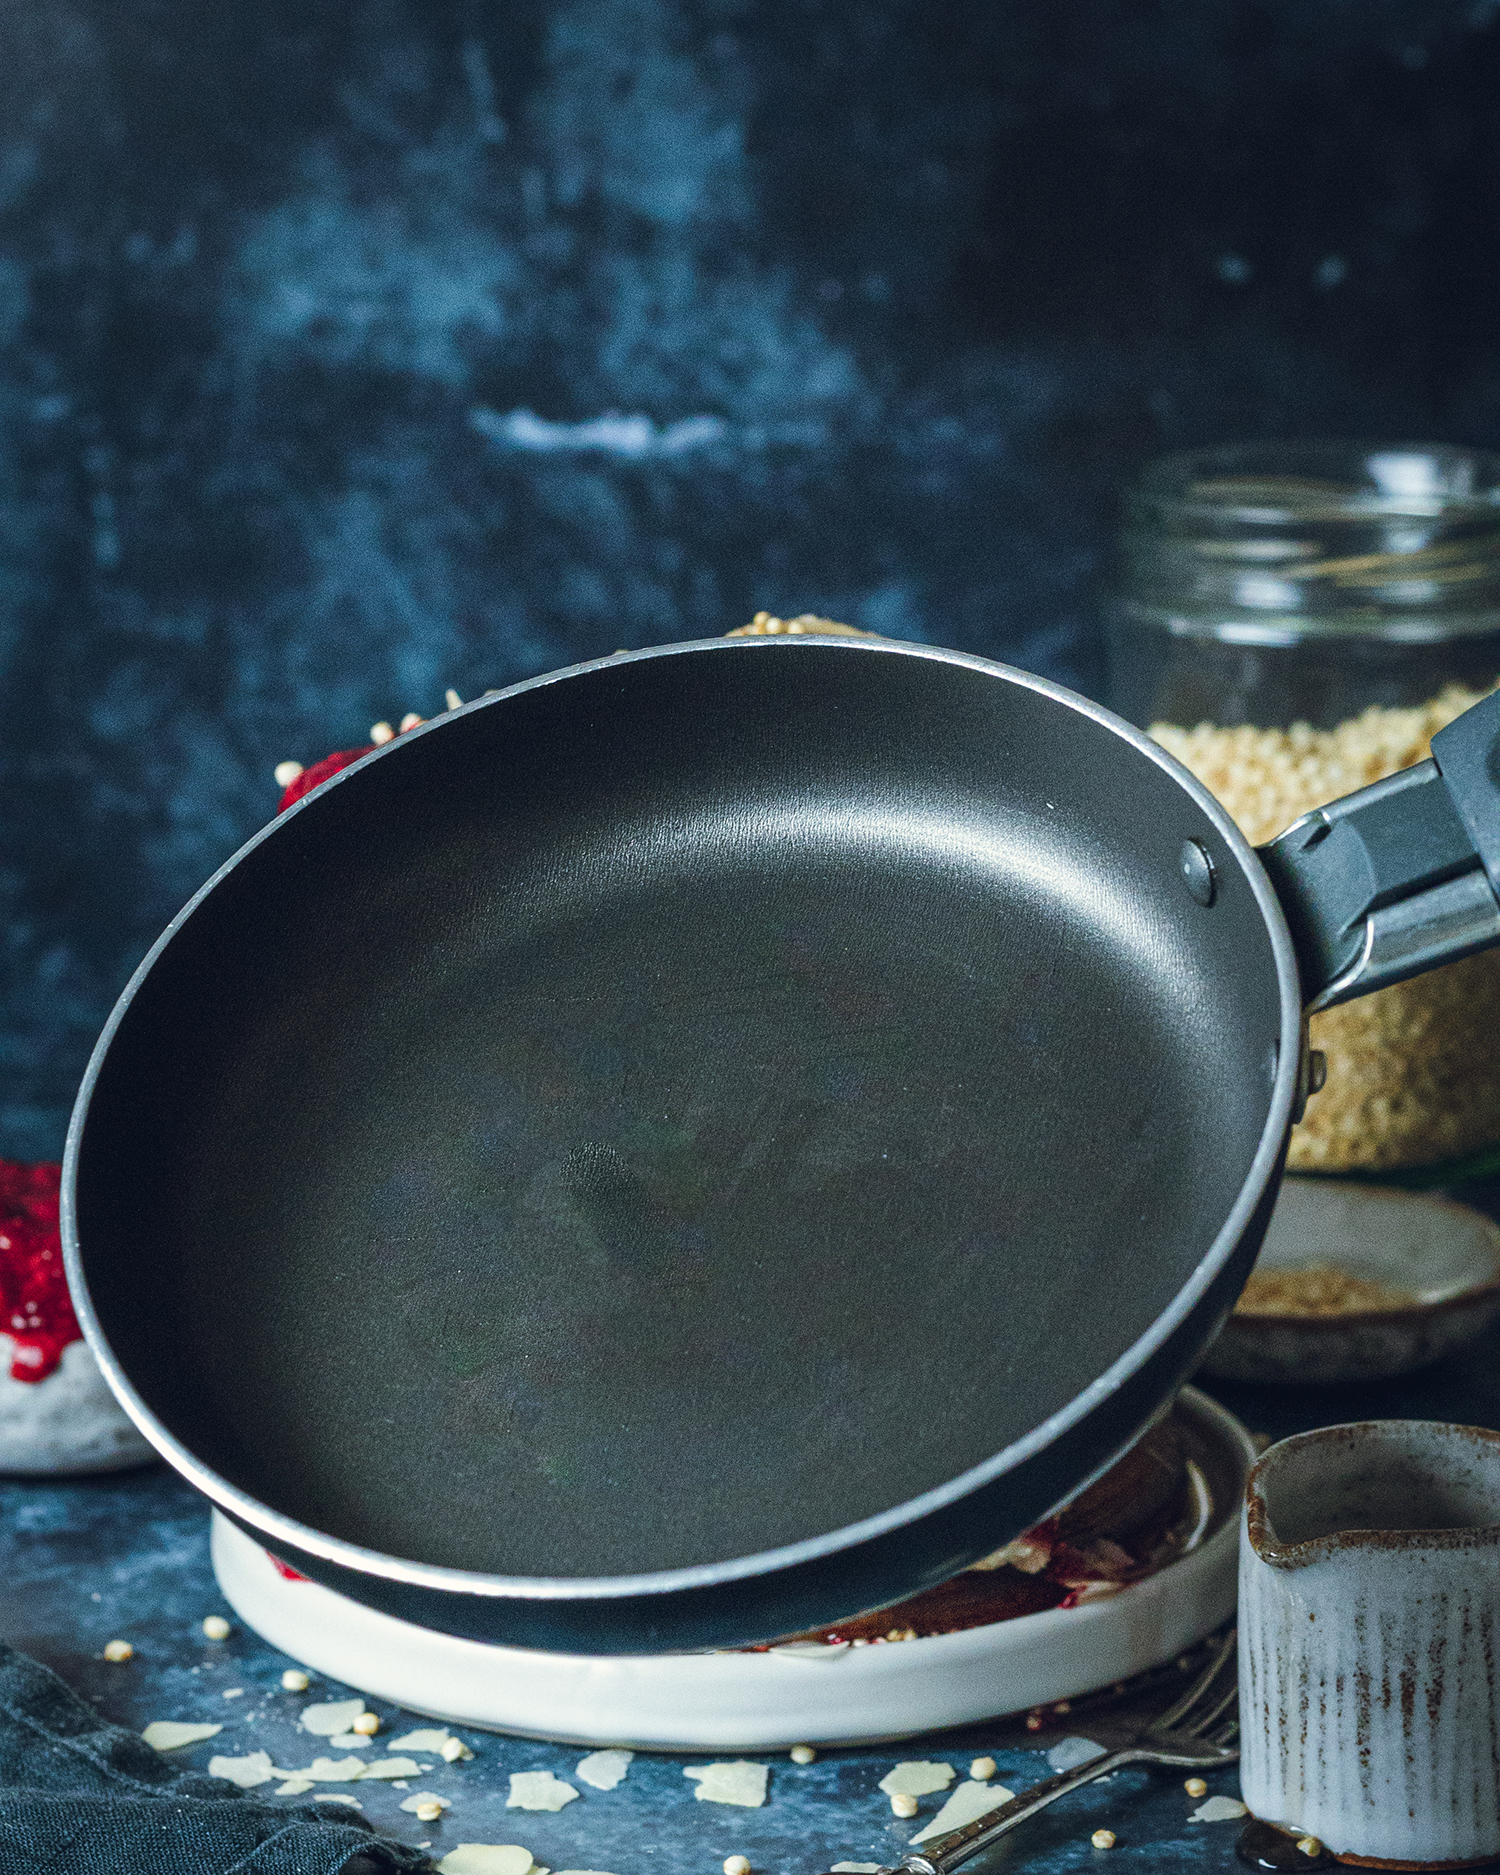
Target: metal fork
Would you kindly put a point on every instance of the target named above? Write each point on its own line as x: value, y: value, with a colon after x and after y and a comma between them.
x: 1194, y: 1733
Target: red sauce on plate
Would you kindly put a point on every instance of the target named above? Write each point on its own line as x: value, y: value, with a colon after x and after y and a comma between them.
x: 1127, y: 1525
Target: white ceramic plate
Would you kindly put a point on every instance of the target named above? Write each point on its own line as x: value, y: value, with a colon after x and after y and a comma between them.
x: 66, y: 1425
x: 746, y: 1701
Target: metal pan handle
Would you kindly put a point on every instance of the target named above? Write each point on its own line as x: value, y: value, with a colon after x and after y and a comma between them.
x: 1401, y: 876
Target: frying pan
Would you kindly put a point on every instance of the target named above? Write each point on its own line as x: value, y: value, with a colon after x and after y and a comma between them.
x: 722, y: 1137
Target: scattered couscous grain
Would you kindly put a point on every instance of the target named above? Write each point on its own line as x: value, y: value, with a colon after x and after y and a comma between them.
x: 737, y: 1865
x: 1103, y: 1839
x: 1412, y: 1076
x: 1195, y: 1787
x: 982, y: 1770
x: 767, y: 625
x: 802, y: 1754
x: 428, y: 1812
x: 367, y: 1725
x: 1309, y: 1845
x: 118, y: 1651
x: 902, y: 1805
x: 216, y: 1627
x: 294, y: 1680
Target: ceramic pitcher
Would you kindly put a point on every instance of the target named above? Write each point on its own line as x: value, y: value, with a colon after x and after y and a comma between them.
x: 1369, y: 1630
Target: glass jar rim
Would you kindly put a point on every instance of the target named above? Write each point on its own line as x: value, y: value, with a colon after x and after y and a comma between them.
x: 1270, y: 484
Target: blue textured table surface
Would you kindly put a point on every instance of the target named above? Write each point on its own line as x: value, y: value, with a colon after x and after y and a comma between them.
x: 139, y: 1544
x: 88, y: 1560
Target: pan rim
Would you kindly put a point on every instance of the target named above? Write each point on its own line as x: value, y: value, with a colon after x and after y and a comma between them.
x: 338, y: 1552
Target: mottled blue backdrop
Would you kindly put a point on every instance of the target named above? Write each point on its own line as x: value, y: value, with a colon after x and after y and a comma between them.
x: 355, y: 348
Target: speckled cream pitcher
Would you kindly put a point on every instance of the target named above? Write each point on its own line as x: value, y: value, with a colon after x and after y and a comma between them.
x: 1369, y: 1633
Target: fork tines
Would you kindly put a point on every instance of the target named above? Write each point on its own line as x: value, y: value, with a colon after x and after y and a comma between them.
x: 1207, y: 1699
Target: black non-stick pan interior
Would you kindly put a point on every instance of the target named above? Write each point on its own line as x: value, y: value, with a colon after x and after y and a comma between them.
x: 676, y: 1111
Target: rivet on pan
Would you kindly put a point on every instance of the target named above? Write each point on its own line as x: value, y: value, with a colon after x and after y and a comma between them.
x: 1197, y: 872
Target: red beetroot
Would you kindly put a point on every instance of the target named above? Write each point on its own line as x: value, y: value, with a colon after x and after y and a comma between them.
x: 37, y: 1311
x: 320, y: 771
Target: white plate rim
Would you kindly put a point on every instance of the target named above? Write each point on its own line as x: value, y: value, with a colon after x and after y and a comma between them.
x: 747, y: 1701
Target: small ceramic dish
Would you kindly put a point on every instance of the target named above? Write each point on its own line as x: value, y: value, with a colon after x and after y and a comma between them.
x: 65, y: 1425
x: 804, y: 1692
x: 1445, y: 1255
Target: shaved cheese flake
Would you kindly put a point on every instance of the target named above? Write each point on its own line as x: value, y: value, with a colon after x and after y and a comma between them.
x: 332, y: 1770
x: 247, y: 1772
x: 331, y: 1717
x: 395, y: 1767
x: 337, y: 1796
x: 538, y: 1790
x: 418, y: 1798
x: 967, y: 1802
x: 487, y: 1858
x: 1219, y: 1810
x: 740, y: 1782
x: 294, y: 1787
x: 855, y: 1868
x: 427, y: 1738
x: 604, y: 1769
x: 173, y: 1734
x: 916, y: 1778
x: 349, y: 1741
x: 1068, y: 1753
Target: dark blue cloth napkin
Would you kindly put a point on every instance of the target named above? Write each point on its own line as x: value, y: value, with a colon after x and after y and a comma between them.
x: 82, y: 1797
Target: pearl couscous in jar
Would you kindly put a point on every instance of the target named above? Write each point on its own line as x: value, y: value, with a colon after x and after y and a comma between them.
x: 1296, y: 622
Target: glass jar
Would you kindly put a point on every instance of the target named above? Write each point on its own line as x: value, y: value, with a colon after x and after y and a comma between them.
x: 1295, y: 621
x: 1287, y: 583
